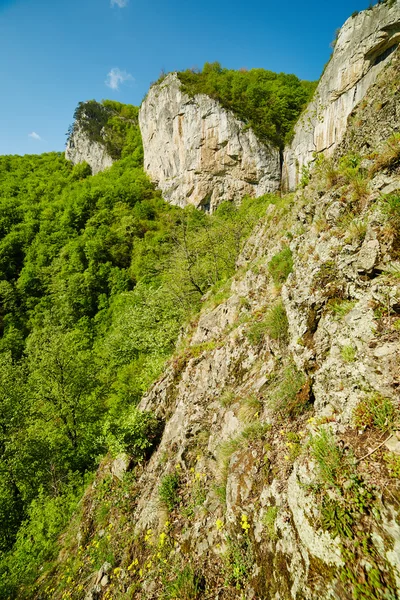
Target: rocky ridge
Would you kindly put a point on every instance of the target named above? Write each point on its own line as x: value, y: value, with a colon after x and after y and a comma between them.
x: 207, y: 154
x: 276, y: 476
x: 80, y: 148
x: 363, y: 46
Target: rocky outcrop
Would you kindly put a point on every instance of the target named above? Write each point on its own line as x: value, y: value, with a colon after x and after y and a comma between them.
x: 81, y: 149
x: 199, y: 153
x: 363, y: 47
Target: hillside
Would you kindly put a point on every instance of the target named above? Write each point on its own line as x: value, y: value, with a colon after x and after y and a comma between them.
x: 205, y: 403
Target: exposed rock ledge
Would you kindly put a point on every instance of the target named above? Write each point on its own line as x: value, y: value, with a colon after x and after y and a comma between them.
x: 81, y: 149
x: 199, y: 153
x: 363, y: 47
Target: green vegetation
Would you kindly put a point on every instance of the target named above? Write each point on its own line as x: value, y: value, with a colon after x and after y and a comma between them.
x: 168, y: 491
x: 340, y: 307
x: 291, y: 395
x: 269, y: 519
x: 348, y: 353
x: 112, y: 124
x: 270, y: 103
x: 281, y: 265
x: 186, y: 586
x: 97, y: 277
x: 376, y: 411
x: 347, y: 500
x: 276, y: 322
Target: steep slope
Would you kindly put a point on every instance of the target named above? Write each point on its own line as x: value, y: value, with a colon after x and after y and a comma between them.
x: 199, y: 153
x: 276, y: 475
x: 363, y: 46
x: 103, y: 133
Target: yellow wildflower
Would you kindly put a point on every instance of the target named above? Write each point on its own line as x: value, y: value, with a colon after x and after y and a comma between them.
x: 219, y: 524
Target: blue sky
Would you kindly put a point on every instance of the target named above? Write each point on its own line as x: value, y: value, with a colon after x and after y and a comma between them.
x: 55, y: 53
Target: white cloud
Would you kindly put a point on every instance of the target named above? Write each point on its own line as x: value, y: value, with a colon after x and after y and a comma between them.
x: 115, y: 77
x: 35, y: 136
x: 120, y: 3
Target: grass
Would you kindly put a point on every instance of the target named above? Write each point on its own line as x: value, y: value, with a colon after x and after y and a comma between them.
x: 292, y: 394
x: 276, y: 322
x: 227, y: 398
x: 250, y: 409
x: 393, y: 464
x: 341, y: 308
x: 377, y: 412
x: 268, y: 520
x: 254, y: 432
x: 256, y: 332
x: 185, y: 586
x: 348, y: 353
x: 281, y: 265
x: 389, y: 155
x: 238, y: 561
x: 168, y: 490
x: 328, y: 456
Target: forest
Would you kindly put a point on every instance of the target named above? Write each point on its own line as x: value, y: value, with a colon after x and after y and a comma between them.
x: 98, y: 275
x: 270, y: 103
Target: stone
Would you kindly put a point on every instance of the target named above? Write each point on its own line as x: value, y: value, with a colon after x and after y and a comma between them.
x: 198, y: 153
x: 363, y: 48
x: 393, y: 444
x: 120, y: 465
x: 81, y: 149
x: 368, y: 256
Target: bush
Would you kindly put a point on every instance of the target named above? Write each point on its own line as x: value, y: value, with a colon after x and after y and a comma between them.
x: 135, y: 433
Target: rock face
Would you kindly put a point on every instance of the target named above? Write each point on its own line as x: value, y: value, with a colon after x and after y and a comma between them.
x: 363, y: 47
x: 199, y: 153
x: 81, y: 149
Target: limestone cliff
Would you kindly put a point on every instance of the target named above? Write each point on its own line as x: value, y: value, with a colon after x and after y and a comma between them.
x: 199, y: 153
x: 363, y: 46
x: 80, y: 148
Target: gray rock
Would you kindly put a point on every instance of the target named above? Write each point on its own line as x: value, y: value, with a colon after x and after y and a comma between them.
x: 352, y: 70
x: 120, y: 466
x: 81, y: 149
x: 199, y: 153
x: 368, y: 256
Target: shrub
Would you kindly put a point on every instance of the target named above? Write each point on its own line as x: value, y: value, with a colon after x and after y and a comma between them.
x: 135, y: 433
x: 168, y: 490
x: 281, y: 265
